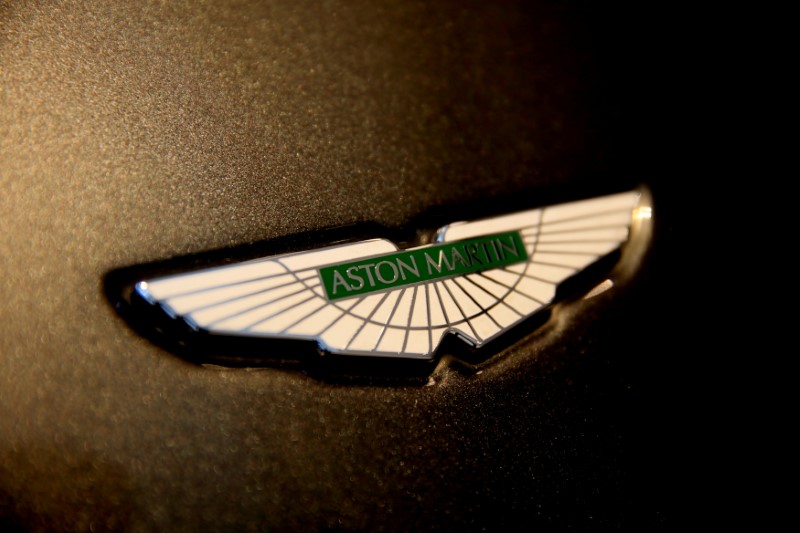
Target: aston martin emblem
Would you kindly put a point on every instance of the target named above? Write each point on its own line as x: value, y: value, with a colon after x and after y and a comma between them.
x: 477, y: 279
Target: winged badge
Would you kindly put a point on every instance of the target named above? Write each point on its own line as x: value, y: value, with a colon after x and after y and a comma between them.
x: 477, y: 279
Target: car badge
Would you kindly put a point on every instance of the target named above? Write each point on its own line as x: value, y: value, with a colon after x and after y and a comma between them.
x: 477, y: 280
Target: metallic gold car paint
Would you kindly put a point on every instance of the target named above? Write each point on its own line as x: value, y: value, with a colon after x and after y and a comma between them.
x: 133, y: 132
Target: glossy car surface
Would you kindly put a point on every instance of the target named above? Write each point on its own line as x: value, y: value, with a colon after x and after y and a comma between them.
x: 186, y: 134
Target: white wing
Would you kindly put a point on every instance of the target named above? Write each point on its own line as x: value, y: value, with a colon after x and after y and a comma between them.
x: 283, y: 297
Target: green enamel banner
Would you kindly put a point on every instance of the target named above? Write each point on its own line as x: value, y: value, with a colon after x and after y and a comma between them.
x: 422, y: 264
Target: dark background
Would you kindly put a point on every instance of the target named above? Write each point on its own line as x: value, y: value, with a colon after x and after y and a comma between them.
x: 136, y: 134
